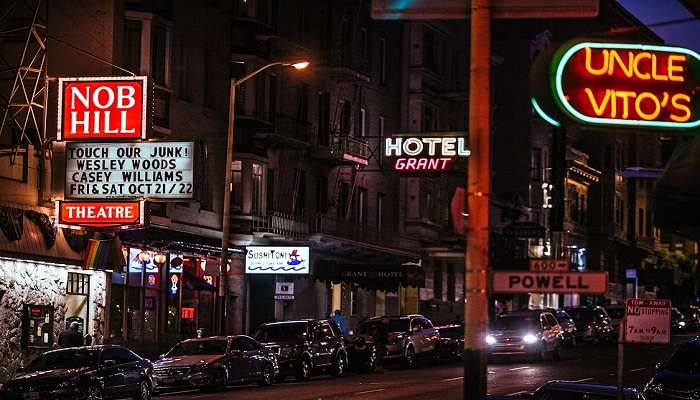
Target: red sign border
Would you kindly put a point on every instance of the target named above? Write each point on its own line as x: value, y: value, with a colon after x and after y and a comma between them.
x: 60, y: 223
x: 144, y: 108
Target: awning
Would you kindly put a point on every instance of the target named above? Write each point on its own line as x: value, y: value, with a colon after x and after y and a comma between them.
x: 176, y: 241
x: 35, y: 241
x: 371, y: 276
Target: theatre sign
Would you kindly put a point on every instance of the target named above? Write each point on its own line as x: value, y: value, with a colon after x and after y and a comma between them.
x: 424, y: 153
x: 603, y: 84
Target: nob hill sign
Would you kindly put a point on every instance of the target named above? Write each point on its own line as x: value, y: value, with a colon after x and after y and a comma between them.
x: 102, y: 108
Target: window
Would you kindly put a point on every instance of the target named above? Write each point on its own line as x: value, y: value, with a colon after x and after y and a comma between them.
x: 119, y: 355
x: 362, y: 122
x: 257, y: 192
x: 237, y: 187
x: 324, y: 118
x: 159, y: 55
x: 361, y: 213
x: 300, y: 192
x: 270, y: 190
x: 429, y: 119
x: 322, y: 194
x: 132, y: 45
x: 345, y: 117
x: 364, y: 43
x: 354, y: 301
x: 78, y: 284
x: 343, y: 200
x: 432, y: 57
x: 427, y: 206
x: 242, y: 343
x: 451, y: 289
x: 382, y: 61
x: 425, y: 324
x: 415, y: 325
x: 536, y: 164
x: 619, y: 212
x: 303, y: 103
x: 380, y: 211
x: 437, y: 282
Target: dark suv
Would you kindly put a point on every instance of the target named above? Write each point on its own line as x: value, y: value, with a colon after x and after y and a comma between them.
x: 679, y: 378
x: 305, y: 347
x: 593, y: 324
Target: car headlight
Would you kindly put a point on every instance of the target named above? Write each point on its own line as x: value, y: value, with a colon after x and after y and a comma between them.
x: 655, y: 388
x: 490, y: 340
x: 682, y: 323
x: 529, y: 338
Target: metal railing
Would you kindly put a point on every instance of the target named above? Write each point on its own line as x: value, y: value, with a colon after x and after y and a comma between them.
x: 282, y: 224
x: 348, y: 145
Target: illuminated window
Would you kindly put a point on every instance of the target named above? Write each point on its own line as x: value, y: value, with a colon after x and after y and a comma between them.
x: 257, y: 192
x: 78, y: 284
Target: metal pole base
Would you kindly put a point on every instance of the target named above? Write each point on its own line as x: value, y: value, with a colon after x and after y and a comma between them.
x: 475, y: 383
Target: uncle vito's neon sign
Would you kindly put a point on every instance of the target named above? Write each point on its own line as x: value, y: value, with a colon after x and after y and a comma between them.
x: 620, y: 84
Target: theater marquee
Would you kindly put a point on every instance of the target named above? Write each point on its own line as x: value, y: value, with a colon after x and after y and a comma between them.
x: 93, y: 108
x: 100, y: 214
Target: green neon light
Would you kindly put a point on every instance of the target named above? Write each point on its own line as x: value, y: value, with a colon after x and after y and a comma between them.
x: 559, y: 91
x: 542, y: 114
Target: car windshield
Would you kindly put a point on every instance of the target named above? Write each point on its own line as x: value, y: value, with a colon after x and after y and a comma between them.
x: 272, y: 333
x: 65, y: 359
x: 199, y: 348
x: 686, y: 360
x: 616, y: 313
x: 454, y: 332
x: 514, y: 323
x: 562, y: 316
x: 581, y: 314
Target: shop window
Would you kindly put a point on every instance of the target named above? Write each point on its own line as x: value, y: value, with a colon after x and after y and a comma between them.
x: 37, y: 326
x: 78, y: 284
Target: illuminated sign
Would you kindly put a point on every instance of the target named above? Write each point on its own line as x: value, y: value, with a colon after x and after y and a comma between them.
x: 161, y: 170
x: 187, y: 312
x: 277, y: 260
x: 419, y: 154
x: 620, y: 84
x: 174, y: 281
x: 99, y: 214
x: 152, y: 280
x: 102, y: 108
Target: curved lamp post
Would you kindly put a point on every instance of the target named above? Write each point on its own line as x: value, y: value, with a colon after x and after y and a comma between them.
x: 226, y: 217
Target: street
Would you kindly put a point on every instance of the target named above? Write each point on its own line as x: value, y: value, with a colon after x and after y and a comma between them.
x: 595, y: 364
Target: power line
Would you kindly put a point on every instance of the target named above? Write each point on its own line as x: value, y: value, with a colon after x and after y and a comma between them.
x: 98, y: 58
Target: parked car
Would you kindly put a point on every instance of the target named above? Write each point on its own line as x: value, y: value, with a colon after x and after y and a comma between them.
x: 305, y: 347
x: 616, y: 314
x: 593, y: 325
x: 679, y: 378
x: 692, y: 318
x: 678, y: 322
x: 451, y: 345
x: 568, y: 326
x: 411, y: 337
x: 562, y: 390
x: 534, y: 334
x: 214, y: 362
x: 89, y: 372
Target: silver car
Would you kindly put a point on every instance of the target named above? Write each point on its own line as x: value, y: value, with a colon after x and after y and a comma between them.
x: 409, y: 337
x: 535, y: 334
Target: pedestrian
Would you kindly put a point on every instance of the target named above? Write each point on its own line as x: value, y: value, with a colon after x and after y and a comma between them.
x: 380, y: 335
x: 340, y: 321
x: 71, y: 337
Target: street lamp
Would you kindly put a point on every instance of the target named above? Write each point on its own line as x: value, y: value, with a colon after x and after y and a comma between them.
x: 226, y: 218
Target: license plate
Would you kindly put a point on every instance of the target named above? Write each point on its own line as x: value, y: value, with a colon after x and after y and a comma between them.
x: 168, y: 381
x: 30, y: 396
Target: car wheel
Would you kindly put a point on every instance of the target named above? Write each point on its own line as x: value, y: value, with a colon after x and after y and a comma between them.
x: 144, y: 391
x: 268, y: 376
x: 218, y: 382
x: 339, y: 364
x: 410, y: 358
x: 94, y: 393
x: 304, y: 372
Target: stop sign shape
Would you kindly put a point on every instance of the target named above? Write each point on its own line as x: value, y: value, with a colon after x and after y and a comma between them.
x: 102, y: 108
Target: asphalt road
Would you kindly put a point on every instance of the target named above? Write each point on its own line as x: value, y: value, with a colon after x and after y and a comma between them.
x: 595, y: 364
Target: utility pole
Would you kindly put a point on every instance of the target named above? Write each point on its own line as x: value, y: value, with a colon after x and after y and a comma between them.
x: 476, y: 267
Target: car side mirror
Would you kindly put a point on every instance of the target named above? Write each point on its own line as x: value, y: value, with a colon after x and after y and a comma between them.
x: 108, y: 363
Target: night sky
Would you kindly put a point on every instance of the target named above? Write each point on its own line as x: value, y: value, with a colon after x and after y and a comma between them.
x: 685, y: 34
